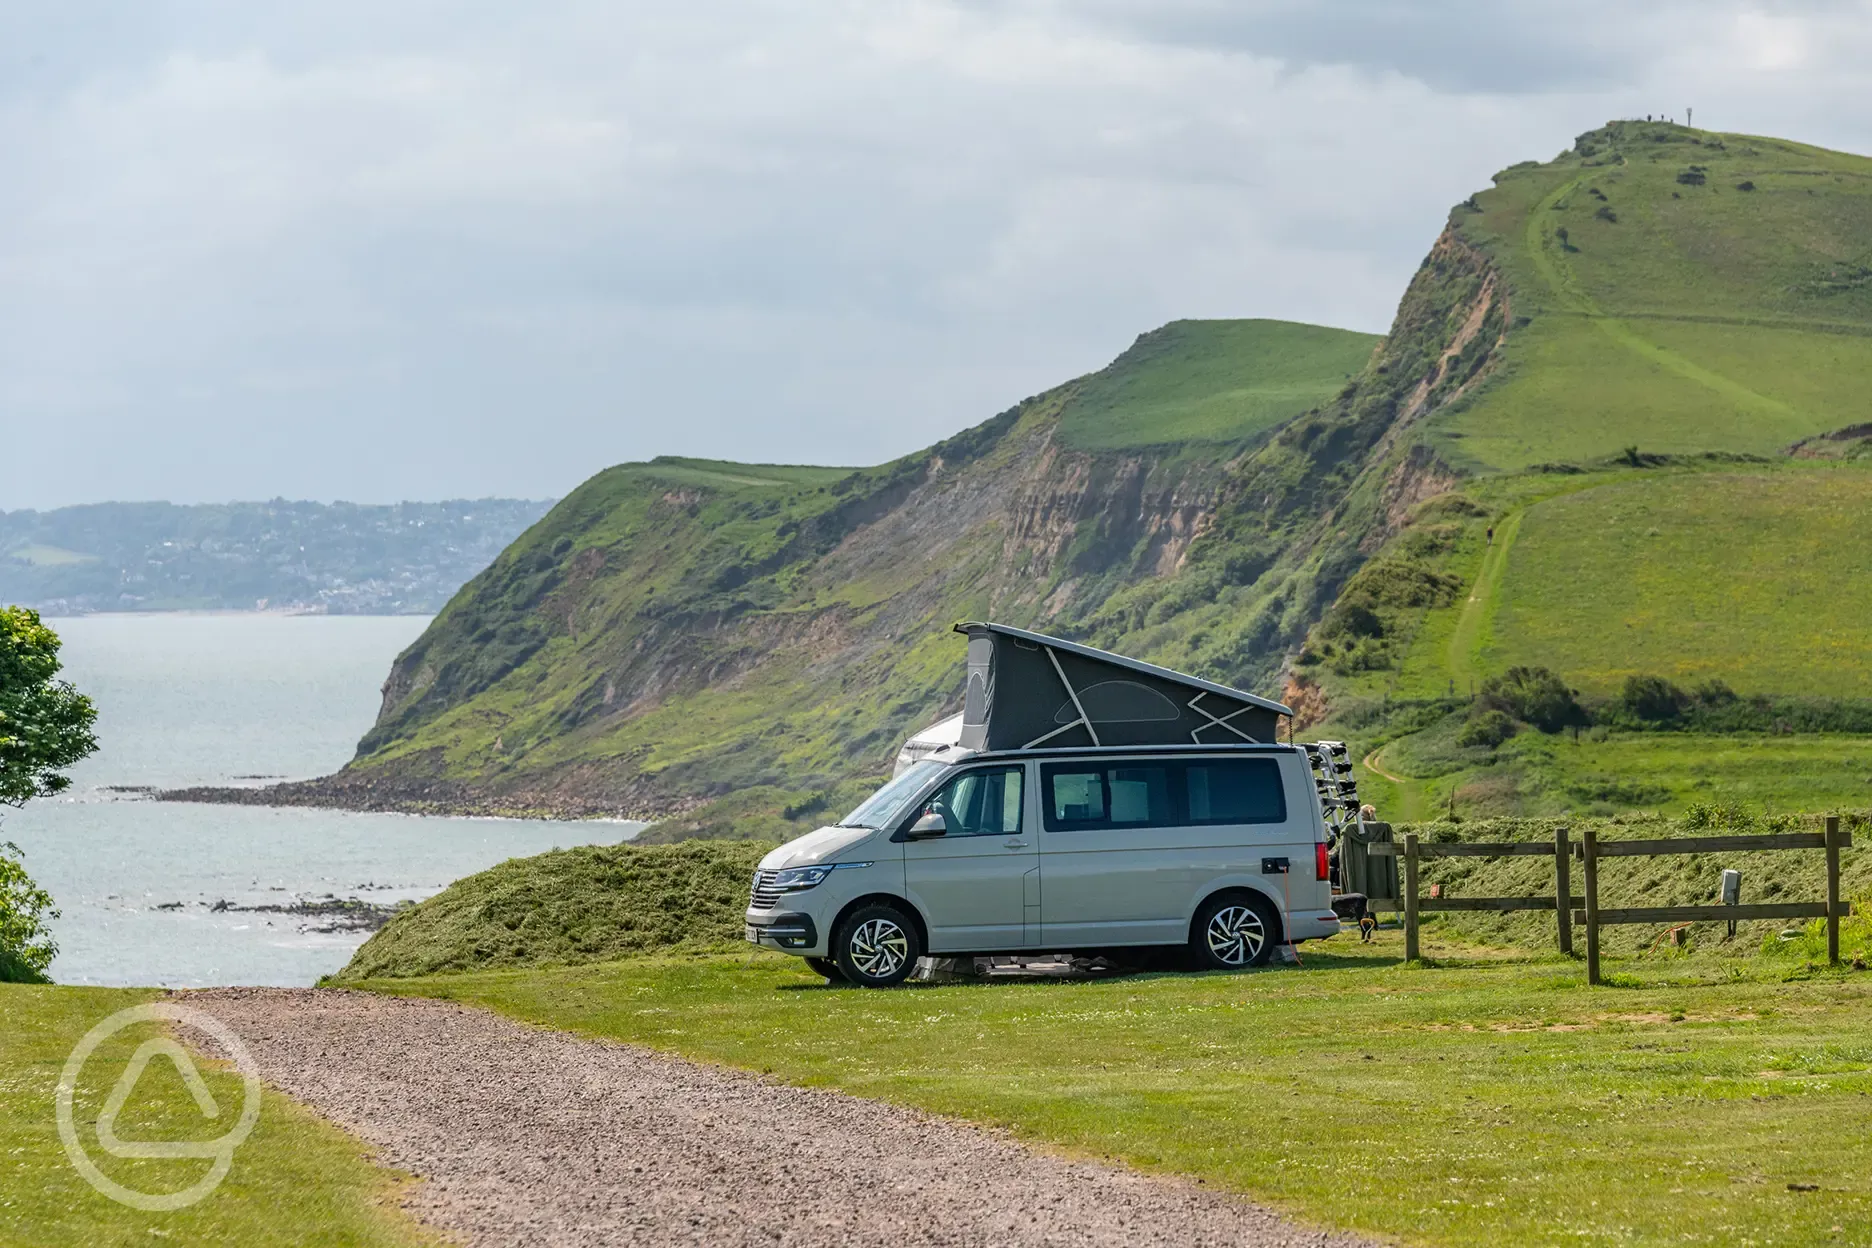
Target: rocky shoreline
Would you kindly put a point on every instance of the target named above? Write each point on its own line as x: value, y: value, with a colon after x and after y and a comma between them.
x: 341, y: 914
x: 339, y: 792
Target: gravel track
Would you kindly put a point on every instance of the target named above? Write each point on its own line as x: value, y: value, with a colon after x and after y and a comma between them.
x: 532, y: 1136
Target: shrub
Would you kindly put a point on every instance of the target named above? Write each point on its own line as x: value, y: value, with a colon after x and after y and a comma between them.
x: 1404, y: 583
x: 1353, y: 617
x: 1653, y: 698
x: 1692, y: 177
x: 1366, y: 654
x: 1488, y: 728
x: 1714, y: 692
x: 1533, y: 695
x: 1745, y: 186
x: 1606, y: 214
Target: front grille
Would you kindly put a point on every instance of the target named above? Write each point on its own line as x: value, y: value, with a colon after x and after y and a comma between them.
x: 765, y: 896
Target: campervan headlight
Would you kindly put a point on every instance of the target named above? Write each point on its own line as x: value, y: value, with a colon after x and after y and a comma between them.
x: 796, y: 879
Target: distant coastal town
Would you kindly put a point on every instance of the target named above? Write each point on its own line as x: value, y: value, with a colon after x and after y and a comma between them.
x: 331, y: 558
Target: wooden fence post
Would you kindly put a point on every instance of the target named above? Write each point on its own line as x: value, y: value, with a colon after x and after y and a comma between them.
x: 1563, y: 885
x: 1833, y: 899
x: 1589, y: 856
x: 1410, y: 896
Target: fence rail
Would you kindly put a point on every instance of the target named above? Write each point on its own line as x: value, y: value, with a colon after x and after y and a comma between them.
x: 1464, y: 849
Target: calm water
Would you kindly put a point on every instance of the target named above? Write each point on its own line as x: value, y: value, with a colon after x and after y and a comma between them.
x: 215, y: 699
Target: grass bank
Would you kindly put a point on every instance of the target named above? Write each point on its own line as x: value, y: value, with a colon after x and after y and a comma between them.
x: 1486, y: 1099
x: 569, y: 906
x: 296, y: 1181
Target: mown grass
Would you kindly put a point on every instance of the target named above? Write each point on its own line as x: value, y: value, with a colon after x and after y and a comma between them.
x: 296, y: 1181
x: 1485, y: 1099
x: 1211, y: 381
x: 585, y: 904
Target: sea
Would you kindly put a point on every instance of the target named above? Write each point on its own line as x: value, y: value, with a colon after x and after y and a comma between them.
x: 178, y: 894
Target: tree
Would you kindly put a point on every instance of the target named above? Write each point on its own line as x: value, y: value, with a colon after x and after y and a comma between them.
x: 26, y: 945
x: 45, y: 724
x: 45, y: 728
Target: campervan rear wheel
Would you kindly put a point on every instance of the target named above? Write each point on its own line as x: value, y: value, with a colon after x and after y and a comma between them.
x: 1233, y: 931
x: 877, y: 946
x: 828, y: 968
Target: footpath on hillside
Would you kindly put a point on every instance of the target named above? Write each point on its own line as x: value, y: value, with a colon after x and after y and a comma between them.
x: 525, y: 1135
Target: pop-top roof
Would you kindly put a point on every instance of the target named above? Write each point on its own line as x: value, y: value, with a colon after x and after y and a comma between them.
x: 1027, y: 689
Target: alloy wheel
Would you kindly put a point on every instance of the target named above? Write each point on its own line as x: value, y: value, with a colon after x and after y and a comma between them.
x: 1235, y: 935
x: 879, y: 948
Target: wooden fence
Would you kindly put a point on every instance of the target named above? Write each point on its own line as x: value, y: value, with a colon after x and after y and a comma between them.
x: 1832, y: 840
x: 1586, y: 910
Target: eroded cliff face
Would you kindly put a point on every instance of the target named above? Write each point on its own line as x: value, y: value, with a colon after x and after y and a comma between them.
x: 582, y: 670
x: 677, y: 632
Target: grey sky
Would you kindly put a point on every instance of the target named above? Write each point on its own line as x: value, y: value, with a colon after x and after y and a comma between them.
x: 421, y: 250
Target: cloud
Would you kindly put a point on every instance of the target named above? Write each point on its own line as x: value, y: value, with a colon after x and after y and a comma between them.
x: 440, y: 249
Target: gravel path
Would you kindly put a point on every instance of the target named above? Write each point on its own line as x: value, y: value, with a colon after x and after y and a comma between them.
x: 532, y: 1136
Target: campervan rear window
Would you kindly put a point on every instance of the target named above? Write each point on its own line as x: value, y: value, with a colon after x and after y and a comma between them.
x: 1162, y: 793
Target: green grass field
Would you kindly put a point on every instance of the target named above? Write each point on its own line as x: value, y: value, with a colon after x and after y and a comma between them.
x: 1757, y: 579
x: 1704, y: 570
x: 1491, y: 1099
x: 1211, y: 381
x: 296, y: 1181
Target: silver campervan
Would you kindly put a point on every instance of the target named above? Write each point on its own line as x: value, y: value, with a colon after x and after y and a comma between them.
x: 1090, y: 803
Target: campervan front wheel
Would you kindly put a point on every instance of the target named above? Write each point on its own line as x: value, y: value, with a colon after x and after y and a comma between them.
x: 1233, y: 931
x: 877, y: 946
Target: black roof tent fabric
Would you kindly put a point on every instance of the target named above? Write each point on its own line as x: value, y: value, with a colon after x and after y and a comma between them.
x: 1027, y: 690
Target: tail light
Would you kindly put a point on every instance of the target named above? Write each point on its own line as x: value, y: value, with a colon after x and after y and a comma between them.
x: 1321, y: 868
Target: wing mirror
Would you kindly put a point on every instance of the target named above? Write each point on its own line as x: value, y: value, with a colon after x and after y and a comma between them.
x: 929, y: 823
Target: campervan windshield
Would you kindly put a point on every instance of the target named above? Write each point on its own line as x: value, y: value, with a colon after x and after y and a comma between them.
x: 888, y: 802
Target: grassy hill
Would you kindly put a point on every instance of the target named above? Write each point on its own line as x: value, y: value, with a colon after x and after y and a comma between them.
x: 1690, y: 317
x: 1211, y: 382
x: 1676, y: 289
x: 1616, y: 430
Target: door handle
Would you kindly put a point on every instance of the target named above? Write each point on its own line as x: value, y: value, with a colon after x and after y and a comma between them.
x: 1014, y: 842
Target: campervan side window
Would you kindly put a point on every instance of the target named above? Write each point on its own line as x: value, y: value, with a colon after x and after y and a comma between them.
x: 1197, y: 793
x: 1140, y: 795
x: 1234, y: 790
x: 1075, y: 797
x: 985, y: 802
